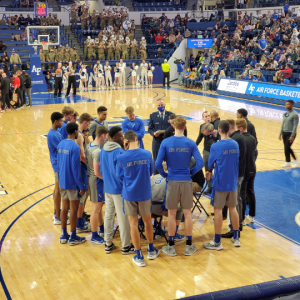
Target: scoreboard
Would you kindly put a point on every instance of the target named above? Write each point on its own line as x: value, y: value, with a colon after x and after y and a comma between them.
x: 40, y: 9
x: 199, y: 43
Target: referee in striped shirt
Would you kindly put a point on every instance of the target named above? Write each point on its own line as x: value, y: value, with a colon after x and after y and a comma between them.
x: 58, y: 81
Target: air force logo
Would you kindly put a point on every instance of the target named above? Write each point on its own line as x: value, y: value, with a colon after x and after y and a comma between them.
x: 36, y: 70
x: 251, y: 88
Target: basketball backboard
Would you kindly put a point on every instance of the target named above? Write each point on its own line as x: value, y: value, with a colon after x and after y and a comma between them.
x: 38, y: 34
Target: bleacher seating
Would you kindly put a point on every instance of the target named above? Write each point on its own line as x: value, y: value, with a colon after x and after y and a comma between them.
x: 158, y: 6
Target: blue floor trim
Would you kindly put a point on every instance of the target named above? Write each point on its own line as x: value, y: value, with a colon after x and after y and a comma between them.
x: 7, y: 294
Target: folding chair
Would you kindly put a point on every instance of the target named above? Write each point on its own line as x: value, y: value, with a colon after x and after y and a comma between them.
x: 197, y: 195
x: 158, y: 220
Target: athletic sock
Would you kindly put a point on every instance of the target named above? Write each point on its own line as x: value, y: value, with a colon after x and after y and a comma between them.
x: 64, y: 231
x: 171, y: 241
x: 139, y: 254
x: 79, y: 222
x: 176, y: 229
x: 150, y: 247
x: 217, y: 238
x: 101, y: 228
x: 94, y: 234
x: 235, y: 234
x: 73, y: 234
x: 189, y: 240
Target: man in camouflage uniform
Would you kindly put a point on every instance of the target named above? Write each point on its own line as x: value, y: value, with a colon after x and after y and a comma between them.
x: 117, y: 51
x: 67, y: 48
x: 13, y: 21
x: 60, y: 55
x: 110, y: 52
x: 90, y: 52
x: 66, y: 55
x: 121, y: 31
x: 51, y: 58
x: 102, y: 21
x: 117, y: 21
x: 101, y: 51
x: 143, y: 54
x: 111, y: 18
x: 83, y: 19
x: 56, y: 22
x: 133, y: 54
x: 86, y: 42
x: 100, y: 36
x: 49, y: 20
x: 74, y: 15
x: 94, y: 20
x: 74, y: 57
x: 125, y: 48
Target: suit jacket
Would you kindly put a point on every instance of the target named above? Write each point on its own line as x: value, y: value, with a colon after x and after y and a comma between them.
x: 5, y: 85
x: 157, y: 123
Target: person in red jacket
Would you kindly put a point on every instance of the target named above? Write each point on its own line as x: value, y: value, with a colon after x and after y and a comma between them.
x: 17, y: 90
x: 158, y: 38
x: 288, y: 72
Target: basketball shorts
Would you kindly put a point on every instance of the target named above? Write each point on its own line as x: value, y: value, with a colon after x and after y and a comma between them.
x: 179, y: 192
x: 158, y: 210
x: 142, y: 208
x: 220, y: 199
x: 96, y: 190
x: 83, y: 171
x: 71, y: 195
x: 56, y: 177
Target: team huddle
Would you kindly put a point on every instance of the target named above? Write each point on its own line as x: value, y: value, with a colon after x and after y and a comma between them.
x: 111, y: 166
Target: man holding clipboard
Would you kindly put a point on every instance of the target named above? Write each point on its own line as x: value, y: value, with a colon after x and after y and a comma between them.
x: 158, y: 123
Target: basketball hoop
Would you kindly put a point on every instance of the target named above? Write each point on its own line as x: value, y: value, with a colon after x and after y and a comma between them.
x: 45, y: 45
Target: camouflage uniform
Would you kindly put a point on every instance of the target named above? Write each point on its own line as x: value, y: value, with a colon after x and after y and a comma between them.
x: 56, y: 21
x: 125, y: 51
x: 133, y: 54
x: 51, y: 58
x: 102, y: 22
x: 117, y: 52
x: 43, y: 59
x: 85, y: 49
x: 83, y: 21
x: 90, y: 52
x: 74, y: 17
x: 110, y: 21
x: 94, y: 21
x: 13, y: 21
x: 143, y: 54
x: 67, y: 56
x: 101, y: 53
x: 74, y: 57
x: 110, y: 52
x: 60, y: 56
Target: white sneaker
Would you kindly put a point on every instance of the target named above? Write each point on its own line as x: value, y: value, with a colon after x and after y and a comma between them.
x: 295, y: 163
x: 236, y: 242
x: 244, y: 223
x: 213, y: 245
x: 286, y: 165
x: 250, y: 219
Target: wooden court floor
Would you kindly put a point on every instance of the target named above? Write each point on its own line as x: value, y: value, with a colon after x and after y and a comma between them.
x: 34, y: 265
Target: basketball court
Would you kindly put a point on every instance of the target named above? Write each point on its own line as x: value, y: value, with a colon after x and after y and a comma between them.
x: 34, y: 265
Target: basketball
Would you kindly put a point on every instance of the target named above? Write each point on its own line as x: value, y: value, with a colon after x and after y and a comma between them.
x: 57, y: 71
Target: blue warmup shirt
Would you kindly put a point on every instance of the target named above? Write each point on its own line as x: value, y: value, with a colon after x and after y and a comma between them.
x: 108, y: 158
x: 177, y: 151
x: 63, y: 131
x: 277, y: 36
x: 253, y: 63
x: 187, y: 73
x: 225, y: 155
x: 262, y: 43
x: 245, y: 77
x: 53, y: 139
x: 286, y: 81
x: 286, y: 7
x: 275, y: 16
x: 180, y: 66
x: 135, y: 168
x: 137, y: 126
x: 68, y: 161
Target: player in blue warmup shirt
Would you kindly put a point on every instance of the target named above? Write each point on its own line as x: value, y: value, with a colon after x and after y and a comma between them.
x: 68, y: 161
x: 113, y: 189
x: 224, y: 158
x: 177, y: 151
x: 135, y: 166
x: 135, y: 124
x: 68, y: 113
x: 53, y: 139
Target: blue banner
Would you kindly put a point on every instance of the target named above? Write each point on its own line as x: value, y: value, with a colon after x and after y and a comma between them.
x: 37, y: 77
x: 277, y: 91
x: 199, y: 43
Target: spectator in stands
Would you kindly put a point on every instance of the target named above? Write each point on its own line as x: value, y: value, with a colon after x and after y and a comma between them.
x: 24, y: 3
x: 159, y: 54
x: 213, y: 83
x: 28, y: 20
x: 286, y: 8
x: 185, y: 77
x: 172, y: 39
x: 158, y: 38
x: 2, y: 47
x: 15, y: 58
x: 50, y: 79
x: 260, y: 77
x: 24, y: 35
x: 28, y: 87
x: 206, y: 80
x: 192, y: 61
x: 21, y: 20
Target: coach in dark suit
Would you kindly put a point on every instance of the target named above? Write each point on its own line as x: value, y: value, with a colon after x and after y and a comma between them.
x: 159, y: 121
x: 5, y: 86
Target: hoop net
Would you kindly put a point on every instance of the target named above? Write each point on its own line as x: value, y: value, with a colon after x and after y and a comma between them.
x: 45, y: 45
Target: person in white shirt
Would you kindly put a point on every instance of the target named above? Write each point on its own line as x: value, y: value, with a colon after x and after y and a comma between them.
x: 150, y: 74
x: 133, y: 68
x: 98, y: 71
x: 122, y: 66
x: 65, y: 76
x: 107, y: 71
x: 117, y: 75
x: 144, y: 68
x: 83, y: 77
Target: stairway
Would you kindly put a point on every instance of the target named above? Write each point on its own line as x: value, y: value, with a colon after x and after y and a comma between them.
x: 128, y: 4
x: 138, y: 33
x: 73, y: 41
